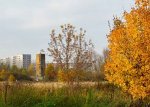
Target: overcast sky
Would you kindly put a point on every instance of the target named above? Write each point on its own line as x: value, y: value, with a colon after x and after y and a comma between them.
x: 25, y: 25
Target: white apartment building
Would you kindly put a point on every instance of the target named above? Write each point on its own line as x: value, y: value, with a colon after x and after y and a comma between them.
x: 5, y: 61
x: 21, y: 61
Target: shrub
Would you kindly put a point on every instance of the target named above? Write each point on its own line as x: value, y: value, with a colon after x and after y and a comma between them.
x: 11, y: 78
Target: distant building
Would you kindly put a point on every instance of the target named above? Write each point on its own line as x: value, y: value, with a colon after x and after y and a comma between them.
x: 21, y: 61
x: 5, y: 61
x: 13, y: 61
x: 40, y: 66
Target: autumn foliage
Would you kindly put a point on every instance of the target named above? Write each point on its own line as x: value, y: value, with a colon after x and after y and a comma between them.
x: 128, y: 64
x: 66, y: 76
x: 11, y: 78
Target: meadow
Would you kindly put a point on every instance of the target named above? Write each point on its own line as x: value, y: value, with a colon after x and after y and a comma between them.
x: 86, y: 94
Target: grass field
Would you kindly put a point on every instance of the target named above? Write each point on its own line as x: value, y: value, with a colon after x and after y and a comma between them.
x: 62, y: 95
x: 86, y: 94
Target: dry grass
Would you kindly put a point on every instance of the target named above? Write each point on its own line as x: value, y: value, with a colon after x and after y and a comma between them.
x: 50, y: 84
x: 59, y: 94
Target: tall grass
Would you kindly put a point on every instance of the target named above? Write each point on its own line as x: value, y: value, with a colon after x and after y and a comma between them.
x: 104, y: 95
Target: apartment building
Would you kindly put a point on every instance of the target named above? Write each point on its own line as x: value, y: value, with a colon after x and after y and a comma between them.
x: 5, y: 61
x: 21, y: 61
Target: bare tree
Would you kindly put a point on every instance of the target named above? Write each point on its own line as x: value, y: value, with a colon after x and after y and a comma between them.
x: 69, y: 48
x: 99, y: 64
x: 105, y: 53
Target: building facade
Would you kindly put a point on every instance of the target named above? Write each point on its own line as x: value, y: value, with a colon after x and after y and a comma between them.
x: 40, y: 66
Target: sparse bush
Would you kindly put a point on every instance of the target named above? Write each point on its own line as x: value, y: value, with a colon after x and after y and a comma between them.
x: 11, y: 78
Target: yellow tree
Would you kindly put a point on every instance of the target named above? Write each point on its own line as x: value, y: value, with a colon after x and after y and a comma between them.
x: 128, y: 64
x: 61, y: 75
x: 31, y: 70
x: 11, y: 78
